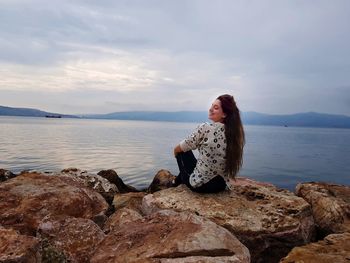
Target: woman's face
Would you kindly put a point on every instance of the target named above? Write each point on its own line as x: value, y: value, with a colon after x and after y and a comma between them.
x: 216, y: 113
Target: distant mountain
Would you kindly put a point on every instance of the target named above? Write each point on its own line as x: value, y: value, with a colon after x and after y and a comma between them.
x: 180, y: 116
x: 308, y: 119
x: 27, y: 112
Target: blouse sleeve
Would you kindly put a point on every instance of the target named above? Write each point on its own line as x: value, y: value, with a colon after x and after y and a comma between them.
x: 194, y: 139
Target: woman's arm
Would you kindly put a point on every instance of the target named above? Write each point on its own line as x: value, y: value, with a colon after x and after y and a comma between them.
x: 193, y: 141
x: 177, y: 150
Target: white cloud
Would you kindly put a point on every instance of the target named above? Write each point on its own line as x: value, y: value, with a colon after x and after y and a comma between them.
x: 172, y: 55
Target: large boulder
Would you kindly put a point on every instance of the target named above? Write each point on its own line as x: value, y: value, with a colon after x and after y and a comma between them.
x: 28, y: 198
x: 18, y: 248
x: 113, y: 178
x: 5, y: 175
x: 334, y: 248
x: 168, y: 236
x: 128, y: 200
x: 330, y: 205
x: 120, y: 217
x: 93, y: 181
x: 162, y: 180
x: 268, y: 220
x: 127, y: 208
x: 76, y: 238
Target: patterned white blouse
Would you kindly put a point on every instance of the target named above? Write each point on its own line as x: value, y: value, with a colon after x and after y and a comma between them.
x: 210, y: 140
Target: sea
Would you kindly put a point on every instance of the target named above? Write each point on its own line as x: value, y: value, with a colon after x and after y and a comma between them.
x: 136, y: 150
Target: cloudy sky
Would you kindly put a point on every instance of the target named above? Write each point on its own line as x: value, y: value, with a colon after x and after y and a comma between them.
x: 99, y: 56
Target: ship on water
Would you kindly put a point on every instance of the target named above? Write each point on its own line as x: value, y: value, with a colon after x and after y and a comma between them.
x: 53, y: 116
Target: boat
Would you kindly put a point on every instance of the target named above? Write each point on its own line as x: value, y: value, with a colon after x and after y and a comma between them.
x: 53, y: 116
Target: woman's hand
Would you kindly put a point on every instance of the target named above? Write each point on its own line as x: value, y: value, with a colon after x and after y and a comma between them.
x: 177, y: 150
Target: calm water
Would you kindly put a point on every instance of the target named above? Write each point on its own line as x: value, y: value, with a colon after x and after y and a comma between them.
x: 138, y: 149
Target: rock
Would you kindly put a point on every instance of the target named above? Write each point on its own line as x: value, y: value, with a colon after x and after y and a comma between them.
x: 100, y: 219
x: 121, y: 217
x: 18, y: 248
x: 28, y: 198
x: 129, y: 200
x: 168, y: 236
x: 50, y: 254
x: 162, y: 180
x: 113, y: 178
x: 127, y: 207
x: 93, y: 181
x: 330, y: 205
x: 269, y: 221
x: 334, y: 248
x: 202, y: 259
x: 77, y: 238
x: 5, y: 175
x: 244, y: 181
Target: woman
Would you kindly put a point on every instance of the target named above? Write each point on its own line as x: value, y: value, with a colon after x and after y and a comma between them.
x: 220, y: 145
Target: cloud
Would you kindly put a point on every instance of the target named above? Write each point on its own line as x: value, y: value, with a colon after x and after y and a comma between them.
x: 273, y: 56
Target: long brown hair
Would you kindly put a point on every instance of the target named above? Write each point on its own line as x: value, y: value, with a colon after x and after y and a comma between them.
x: 235, y: 138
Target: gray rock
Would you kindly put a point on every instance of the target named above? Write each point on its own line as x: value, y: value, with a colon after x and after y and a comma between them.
x: 6, y: 175
x: 93, y: 181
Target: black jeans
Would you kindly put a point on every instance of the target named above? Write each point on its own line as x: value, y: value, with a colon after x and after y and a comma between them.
x: 187, y: 162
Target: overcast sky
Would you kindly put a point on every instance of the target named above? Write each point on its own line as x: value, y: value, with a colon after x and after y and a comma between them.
x: 104, y: 56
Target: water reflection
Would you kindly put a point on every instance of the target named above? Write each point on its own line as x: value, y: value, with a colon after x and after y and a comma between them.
x: 137, y: 150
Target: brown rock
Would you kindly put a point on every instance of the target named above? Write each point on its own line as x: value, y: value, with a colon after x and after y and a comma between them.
x: 193, y: 259
x: 18, y: 248
x: 171, y: 236
x: 330, y: 205
x: 77, y: 238
x: 202, y: 259
x: 93, y: 181
x: 162, y: 180
x: 113, y: 178
x: 50, y: 254
x: 28, y: 198
x: 129, y: 200
x: 5, y: 175
x: 334, y: 248
x: 121, y: 217
x: 269, y: 221
x: 244, y: 181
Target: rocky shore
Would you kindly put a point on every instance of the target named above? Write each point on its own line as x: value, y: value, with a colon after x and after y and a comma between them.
x: 76, y: 216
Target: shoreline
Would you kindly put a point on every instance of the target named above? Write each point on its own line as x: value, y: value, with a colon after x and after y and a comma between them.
x: 249, y: 214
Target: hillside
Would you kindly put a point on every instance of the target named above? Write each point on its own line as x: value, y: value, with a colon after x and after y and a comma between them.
x: 308, y: 119
x: 27, y: 112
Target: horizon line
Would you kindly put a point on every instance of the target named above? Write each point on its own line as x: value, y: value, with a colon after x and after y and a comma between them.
x: 177, y: 111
